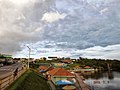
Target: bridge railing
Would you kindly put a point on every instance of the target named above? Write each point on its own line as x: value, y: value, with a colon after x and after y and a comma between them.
x: 7, y: 80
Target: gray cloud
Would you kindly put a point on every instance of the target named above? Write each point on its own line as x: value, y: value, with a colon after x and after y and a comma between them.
x: 86, y: 26
x: 15, y: 28
x: 87, y: 23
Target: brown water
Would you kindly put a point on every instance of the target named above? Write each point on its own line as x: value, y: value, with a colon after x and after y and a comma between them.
x: 103, y: 81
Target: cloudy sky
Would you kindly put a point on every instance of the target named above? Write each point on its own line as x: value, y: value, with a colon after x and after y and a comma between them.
x: 70, y: 28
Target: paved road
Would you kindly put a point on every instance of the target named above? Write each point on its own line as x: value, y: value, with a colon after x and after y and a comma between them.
x: 7, y: 70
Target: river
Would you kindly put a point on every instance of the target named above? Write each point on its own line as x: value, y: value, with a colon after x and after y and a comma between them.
x: 103, y: 81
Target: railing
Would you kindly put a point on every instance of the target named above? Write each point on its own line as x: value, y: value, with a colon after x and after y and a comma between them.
x: 6, y: 81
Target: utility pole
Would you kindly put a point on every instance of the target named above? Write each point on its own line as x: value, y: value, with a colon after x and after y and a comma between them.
x: 29, y: 56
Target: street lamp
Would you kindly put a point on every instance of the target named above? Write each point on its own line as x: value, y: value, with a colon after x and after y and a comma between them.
x: 29, y: 56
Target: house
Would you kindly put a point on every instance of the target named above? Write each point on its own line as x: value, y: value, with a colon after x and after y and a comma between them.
x: 59, y: 64
x: 43, y: 58
x: 2, y: 60
x: 88, y: 70
x: 87, y: 67
x: 77, y: 67
x: 85, y: 70
x: 31, y: 59
x: 16, y: 59
x: 42, y: 69
x: 67, y: 61
x: 58, y: 74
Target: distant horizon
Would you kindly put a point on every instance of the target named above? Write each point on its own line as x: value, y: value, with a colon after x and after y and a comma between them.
x: 68, y: 57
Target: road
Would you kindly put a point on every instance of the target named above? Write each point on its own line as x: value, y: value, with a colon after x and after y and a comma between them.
x: 8, y: 70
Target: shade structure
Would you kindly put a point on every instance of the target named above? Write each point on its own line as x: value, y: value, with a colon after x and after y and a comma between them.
x: 41, y: 71
x: 69, y: 87
x: 64, y: 82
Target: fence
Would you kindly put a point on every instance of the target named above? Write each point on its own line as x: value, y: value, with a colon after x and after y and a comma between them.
x: 7, y: 80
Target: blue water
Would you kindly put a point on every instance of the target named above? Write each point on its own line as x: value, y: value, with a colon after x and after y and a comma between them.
x: 103, y: 81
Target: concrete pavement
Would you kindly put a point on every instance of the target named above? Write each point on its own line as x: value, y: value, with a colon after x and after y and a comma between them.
x: 8, y: 70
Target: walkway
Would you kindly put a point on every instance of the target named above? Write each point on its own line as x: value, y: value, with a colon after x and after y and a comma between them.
x: 9, y: 69
x: 81, y: 83
x: 52, y: 86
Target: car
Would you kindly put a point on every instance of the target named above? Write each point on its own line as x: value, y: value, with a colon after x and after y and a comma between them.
x: 1, y: 64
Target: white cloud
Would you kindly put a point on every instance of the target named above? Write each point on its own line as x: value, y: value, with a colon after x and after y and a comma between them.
x: 53, y: 16
x: 21, y: 2
x: 103, y: 11
x: 108, y: 52
x: 39, y: 49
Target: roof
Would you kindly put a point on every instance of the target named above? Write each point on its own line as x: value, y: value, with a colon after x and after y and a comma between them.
x: 67, y: 61
x: 60, y: 72
x: 42, y: 67
x: 87, y: 67
x: 69, y: 87
x: 77, y: 67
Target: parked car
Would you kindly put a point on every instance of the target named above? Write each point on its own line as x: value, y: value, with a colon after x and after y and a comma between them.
x: 1, y: 64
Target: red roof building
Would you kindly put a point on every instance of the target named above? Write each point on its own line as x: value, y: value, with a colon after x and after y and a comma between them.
x: 87, y: 67
x: 77, y: 67
x: 60, y: 72
x: 57, y: 74
x: 67, y: 61
x: 43, y: 67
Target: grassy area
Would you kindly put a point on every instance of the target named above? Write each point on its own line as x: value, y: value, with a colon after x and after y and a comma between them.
x: 29, y: 81
x: 73, y: 65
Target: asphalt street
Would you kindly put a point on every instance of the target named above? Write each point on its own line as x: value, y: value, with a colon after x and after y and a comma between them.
x: 8, y: 70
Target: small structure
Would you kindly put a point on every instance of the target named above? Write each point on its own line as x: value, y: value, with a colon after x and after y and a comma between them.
x: 85, y: 70
x: 59, y: 64
x: 77, y: 67
x: 43, y: 58
x: 58, y: 74
x: 87, y: 67
x: 64, y: 82
x: 42, y: 69
x: 69, y: 87
x: 67, y: 61
x: 88, y: 70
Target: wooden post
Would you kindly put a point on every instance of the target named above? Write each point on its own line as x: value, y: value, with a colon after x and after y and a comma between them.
x: 0, y: 84
x: 9, y: 80
x: 108, y: 65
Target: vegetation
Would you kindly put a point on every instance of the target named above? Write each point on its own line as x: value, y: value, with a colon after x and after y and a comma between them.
x: 34, y: 65
x: 3, y: 56
x: 99, y: 63
x: 29, y: 81
x: 73, y: 65
x: 37, y: 64
x: 82, y: 62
